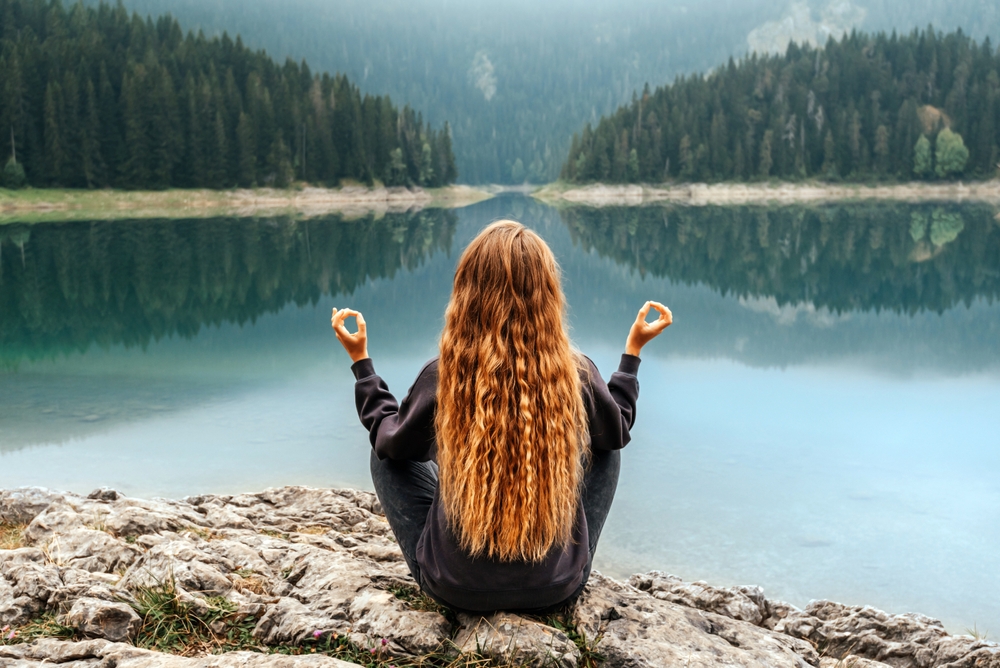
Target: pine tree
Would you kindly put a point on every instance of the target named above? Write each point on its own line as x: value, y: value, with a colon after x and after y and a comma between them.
x: 135, y: 171
x: 882, y: 149
x: 93, y: 162
x: 922, y: 157
x: 766, y: 161
x: 246, y: 149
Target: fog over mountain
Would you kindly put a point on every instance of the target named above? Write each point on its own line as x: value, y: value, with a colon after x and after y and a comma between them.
x: 515, y: 81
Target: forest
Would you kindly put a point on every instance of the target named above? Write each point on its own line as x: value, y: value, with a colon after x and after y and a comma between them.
x: 851, y: 257
x: 517, y: 79
x: 925, y: 105
x: 93, y: 96
x: 66, y: 286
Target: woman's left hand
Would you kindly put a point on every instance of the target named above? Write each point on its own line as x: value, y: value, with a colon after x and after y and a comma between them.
x: 355, y: 344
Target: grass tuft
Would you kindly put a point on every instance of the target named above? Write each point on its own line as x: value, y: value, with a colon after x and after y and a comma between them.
x: 175, y: 627
x: 563, y: 621
x: 418, y: 600
x: 11, y: 535
x: 43, y: 626
x: 975, y: 632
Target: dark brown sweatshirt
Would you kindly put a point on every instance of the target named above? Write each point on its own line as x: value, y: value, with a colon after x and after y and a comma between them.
x: 405, y: 431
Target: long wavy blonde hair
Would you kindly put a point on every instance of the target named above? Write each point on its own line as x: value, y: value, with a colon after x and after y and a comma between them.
x: 510, y: 419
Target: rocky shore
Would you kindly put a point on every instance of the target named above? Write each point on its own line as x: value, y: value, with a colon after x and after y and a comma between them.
x: 298, y: 577
x: 42, y: 205
x: 731, y: 194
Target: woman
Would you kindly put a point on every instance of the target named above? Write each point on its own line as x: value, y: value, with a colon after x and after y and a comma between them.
x: 498, y: 469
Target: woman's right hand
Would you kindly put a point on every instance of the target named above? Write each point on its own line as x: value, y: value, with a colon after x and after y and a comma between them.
x: 643, y: 332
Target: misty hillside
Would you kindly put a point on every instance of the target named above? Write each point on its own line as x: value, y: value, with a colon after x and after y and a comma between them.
x: 516, y: 81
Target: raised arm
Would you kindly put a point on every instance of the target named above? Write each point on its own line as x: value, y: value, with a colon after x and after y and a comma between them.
x: 396, y: 430
x: 611, y: 406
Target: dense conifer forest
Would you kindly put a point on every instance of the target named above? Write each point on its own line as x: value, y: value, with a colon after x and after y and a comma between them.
x: 924, y: 105
x: 95, y: 96
x: 517, y: 79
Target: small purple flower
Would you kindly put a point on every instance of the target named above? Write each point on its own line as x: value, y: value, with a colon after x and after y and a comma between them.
x: 12, y: 634
x: 384, y: 642
x: 373, y: 650
x: 317, y: 634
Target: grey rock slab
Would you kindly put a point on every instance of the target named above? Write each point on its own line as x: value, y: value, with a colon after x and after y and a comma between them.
x: 101, y: 652
x: 745, y: 603
x: 903, y: 641
x: 851, y: 661
x: 21, y: 505
x: 377, y: 614
x: 514, y: 640
x: 90, y: 550
x: 637, y: 630
x: 96, y: 618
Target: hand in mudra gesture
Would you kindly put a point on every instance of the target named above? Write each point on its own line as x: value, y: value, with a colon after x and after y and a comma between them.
x: 355, y: 344
x: 643, y: 332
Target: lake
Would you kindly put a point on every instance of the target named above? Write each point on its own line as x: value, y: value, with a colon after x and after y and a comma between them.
x: 822, y: 418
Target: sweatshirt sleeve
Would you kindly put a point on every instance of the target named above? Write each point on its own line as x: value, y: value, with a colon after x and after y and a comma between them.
x: 611, y: 406
x: 401, y: 431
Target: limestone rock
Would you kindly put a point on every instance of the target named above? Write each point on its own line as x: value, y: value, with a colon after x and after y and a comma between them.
x: 638, y: 630
x: 851, y: 661
x: 904, y: 641
x: 300, y: 560
x: 93, y: 653
x: 104, y: 494
x: 744, y: 603
x: 96, y: 618
x: 514, y: 640
x: 21, y: 505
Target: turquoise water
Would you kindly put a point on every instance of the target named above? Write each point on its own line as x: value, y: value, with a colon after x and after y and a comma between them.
x: 820, y: 420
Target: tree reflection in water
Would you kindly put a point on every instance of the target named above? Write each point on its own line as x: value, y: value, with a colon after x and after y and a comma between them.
x: 66, y: 286
x: 857, y: 257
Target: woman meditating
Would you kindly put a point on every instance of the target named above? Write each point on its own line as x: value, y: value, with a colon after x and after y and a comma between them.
x: 497, y: 470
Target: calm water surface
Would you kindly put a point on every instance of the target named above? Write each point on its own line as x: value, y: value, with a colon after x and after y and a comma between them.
x: 821, y: 419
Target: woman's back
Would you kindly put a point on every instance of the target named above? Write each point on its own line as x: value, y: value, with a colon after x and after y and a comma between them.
x: 499, y: 466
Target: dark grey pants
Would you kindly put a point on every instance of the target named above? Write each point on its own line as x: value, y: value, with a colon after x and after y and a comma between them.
x: 406, y: 491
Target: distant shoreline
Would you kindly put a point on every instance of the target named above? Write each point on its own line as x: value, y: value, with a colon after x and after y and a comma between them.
x: 50, y: 205
x: 704, y: 194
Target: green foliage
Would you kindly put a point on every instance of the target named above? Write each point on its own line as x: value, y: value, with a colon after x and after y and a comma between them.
x: 99, y: 98
x: 43, y: 626
x: 922, y: 157
x: 13, y: 175
x: 950, y: 154
x: 846, y: 110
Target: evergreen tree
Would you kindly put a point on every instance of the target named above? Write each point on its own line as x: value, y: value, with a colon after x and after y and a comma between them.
x: 922, y: 157
x: 246, y: 149
x: 13, y: 174
x: 54, y: 150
